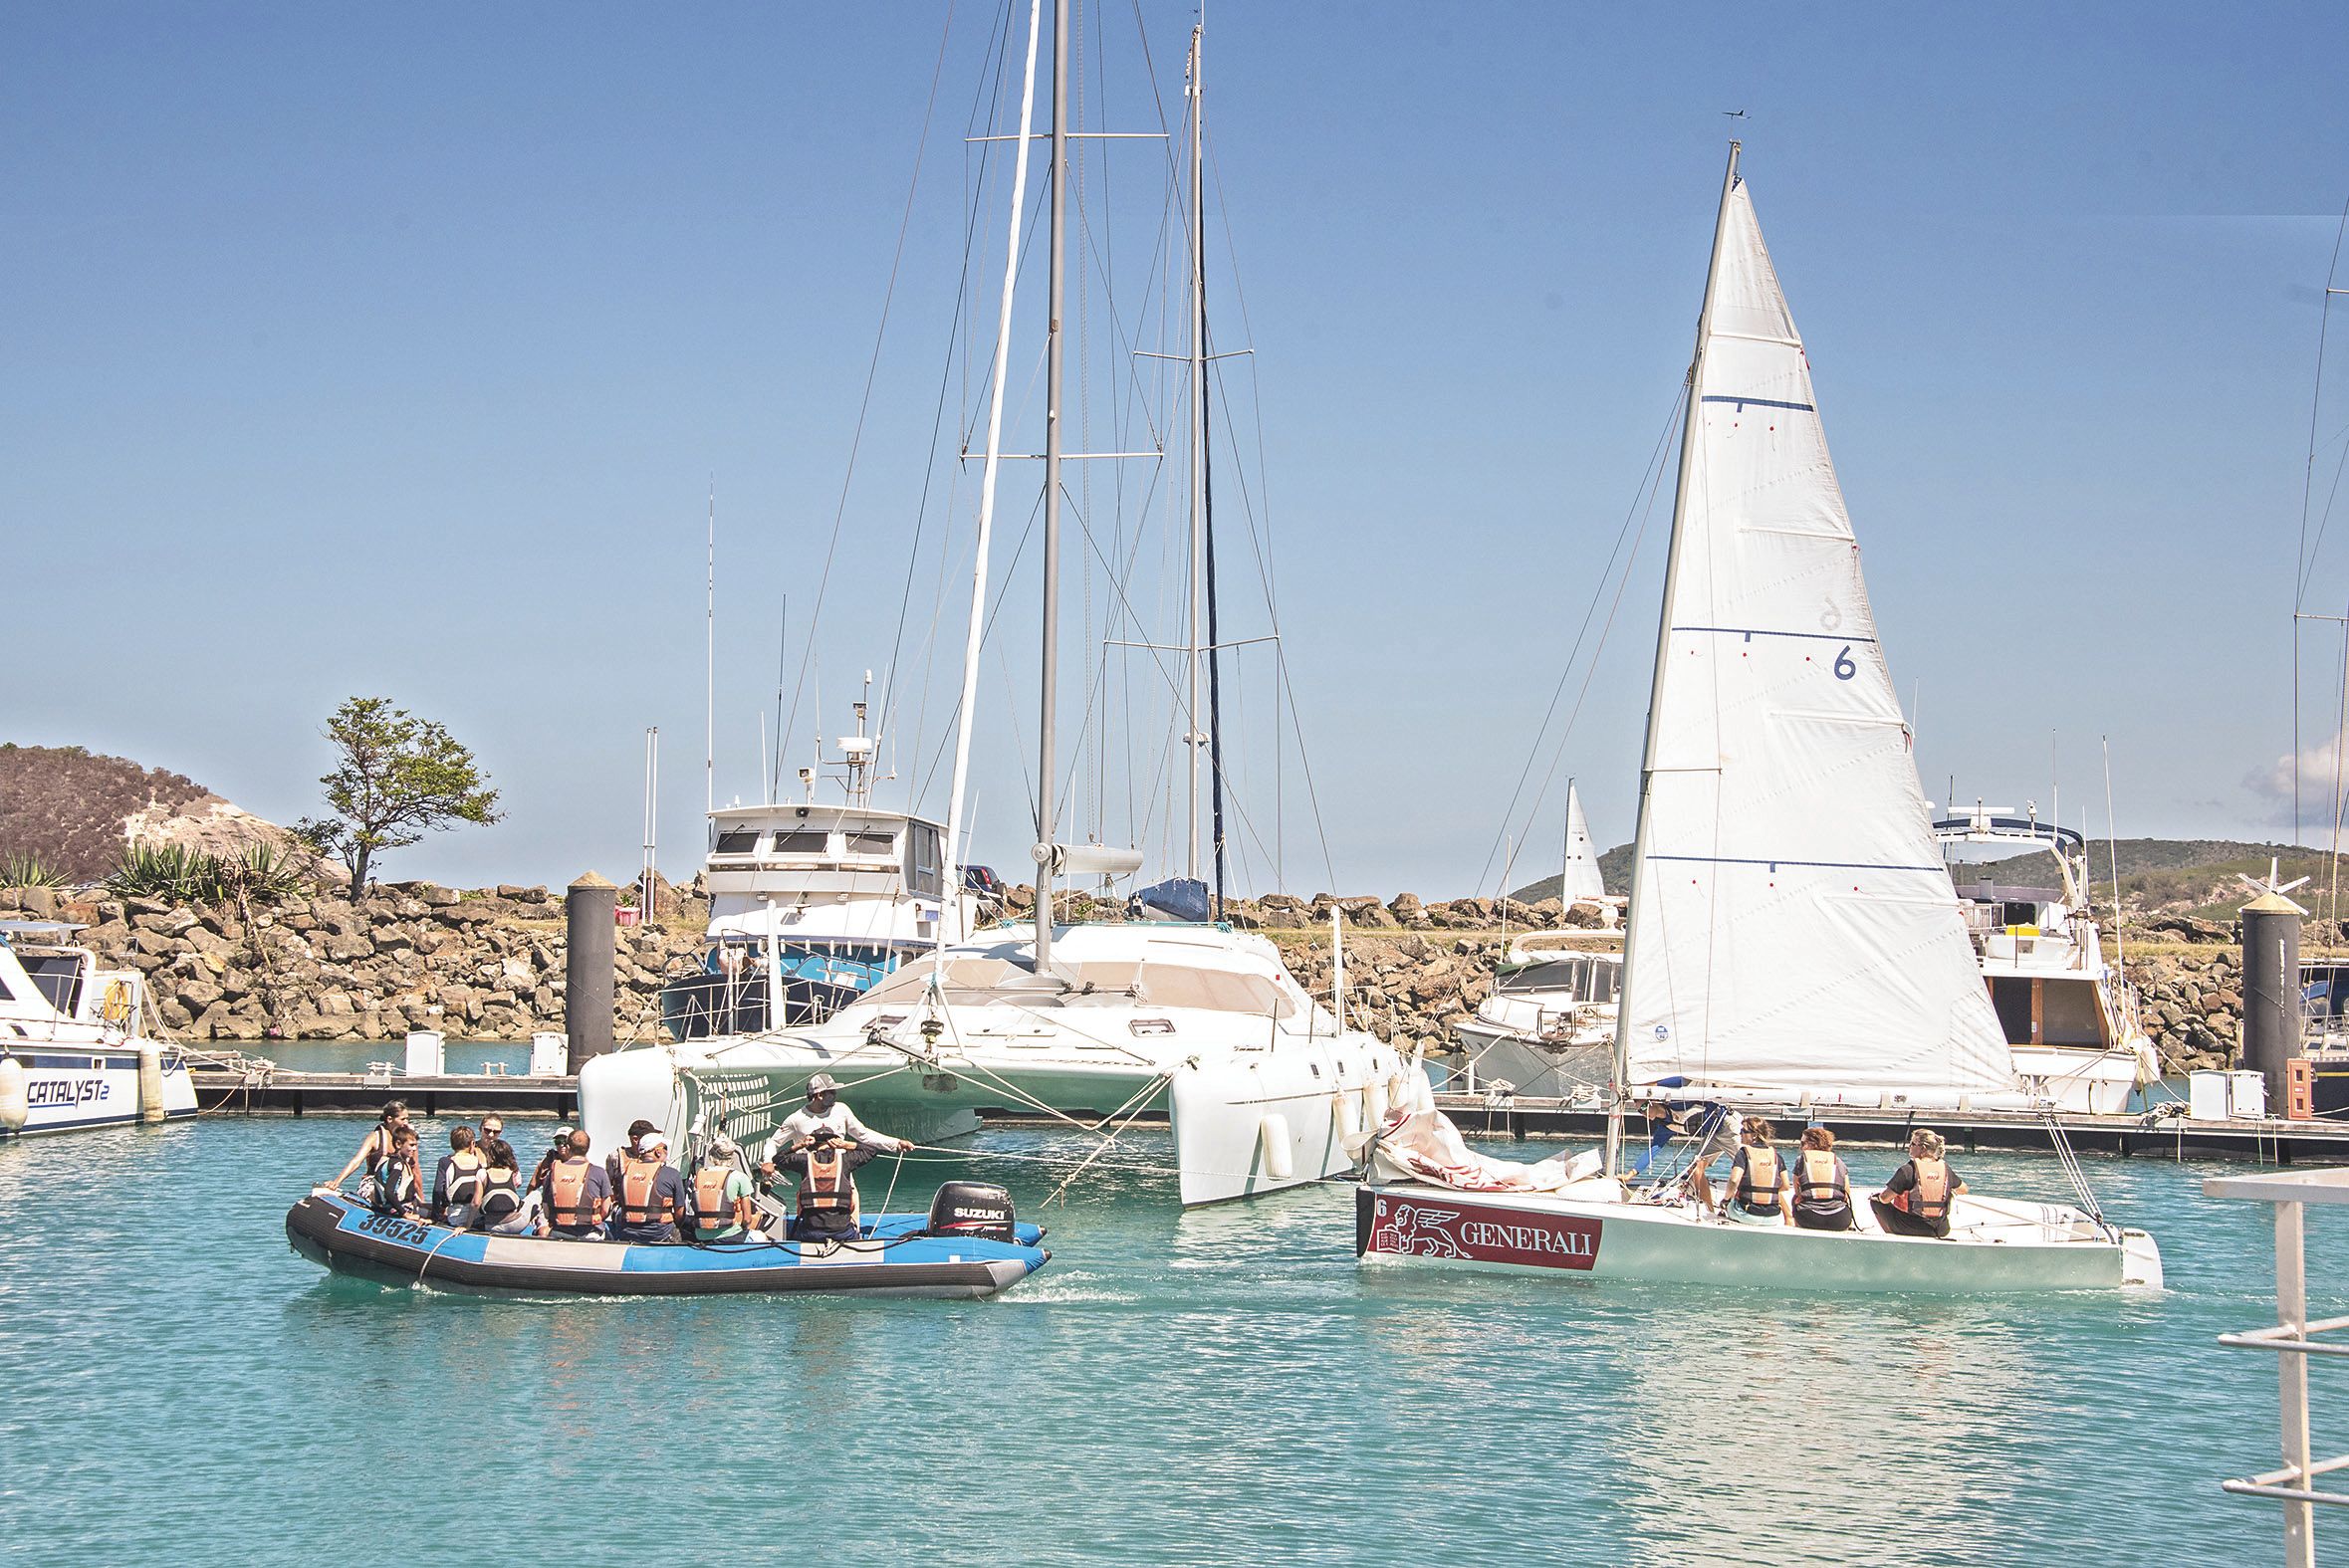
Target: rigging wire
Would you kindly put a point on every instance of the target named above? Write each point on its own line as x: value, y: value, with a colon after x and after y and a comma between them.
x: 2305, y: 566
x: 873, y: 364
x: 1640, y: 511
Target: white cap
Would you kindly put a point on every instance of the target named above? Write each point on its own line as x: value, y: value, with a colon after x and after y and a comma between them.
x: 656, y: 1139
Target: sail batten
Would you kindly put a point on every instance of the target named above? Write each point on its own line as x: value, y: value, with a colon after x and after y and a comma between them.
x: 1793, y: 928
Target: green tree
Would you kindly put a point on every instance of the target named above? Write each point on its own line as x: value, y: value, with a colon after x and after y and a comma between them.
x: 400, y: 777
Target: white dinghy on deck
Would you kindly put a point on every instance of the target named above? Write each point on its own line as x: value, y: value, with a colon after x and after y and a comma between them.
x: 1794, y: 941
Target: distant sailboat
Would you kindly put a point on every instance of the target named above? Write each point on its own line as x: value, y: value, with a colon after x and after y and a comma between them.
x: 1580, y: 882
x: 1794, y: 942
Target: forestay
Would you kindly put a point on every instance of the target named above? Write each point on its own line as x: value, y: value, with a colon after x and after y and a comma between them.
x: 1792, y: 925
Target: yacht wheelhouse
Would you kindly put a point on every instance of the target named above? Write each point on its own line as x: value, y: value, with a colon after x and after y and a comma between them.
x: 2068, y: 1016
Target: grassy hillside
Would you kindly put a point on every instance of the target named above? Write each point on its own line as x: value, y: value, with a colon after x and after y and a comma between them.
x: 2166, y: 875
x: 65, y: 806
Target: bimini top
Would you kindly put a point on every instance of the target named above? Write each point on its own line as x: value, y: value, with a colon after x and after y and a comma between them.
x: 38, y: 928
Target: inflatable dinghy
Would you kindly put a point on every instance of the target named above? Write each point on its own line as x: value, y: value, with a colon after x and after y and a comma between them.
x: 969, y: 1245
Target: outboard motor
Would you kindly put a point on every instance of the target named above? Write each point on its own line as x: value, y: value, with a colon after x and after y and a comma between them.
x: 979, y: 1209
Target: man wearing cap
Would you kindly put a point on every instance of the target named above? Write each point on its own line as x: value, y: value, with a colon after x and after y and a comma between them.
x: 615, y: 1164
x: 650, y: 1198
x: 560, y: 1148
x: 824, y: 1109
x: 721, y: 1194
x: 827, y: 1207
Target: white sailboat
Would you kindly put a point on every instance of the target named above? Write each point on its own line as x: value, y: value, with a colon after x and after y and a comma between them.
x: 1261, y: 1083
x: 1547, y: 1027
x: 1794, y: 942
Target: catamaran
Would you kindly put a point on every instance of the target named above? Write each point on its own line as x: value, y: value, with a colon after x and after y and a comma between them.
x: 1261, y: 1083
x: 1794, y: 941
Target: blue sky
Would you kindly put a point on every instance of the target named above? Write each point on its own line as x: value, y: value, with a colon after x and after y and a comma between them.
x: 395, y: 352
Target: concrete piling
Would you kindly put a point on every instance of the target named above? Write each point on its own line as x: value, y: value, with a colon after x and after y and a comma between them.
x: 2271, y: 989
x: 591, y: 966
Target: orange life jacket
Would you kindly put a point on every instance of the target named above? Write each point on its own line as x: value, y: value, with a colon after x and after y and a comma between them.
x: 1820, y: 1182
x: 1930, y: 1199
x: 638, y: 1196
x: 1760, y: 1191
x: 826, y: 1187
x: 566, y: 1185
x: 713, y: 1211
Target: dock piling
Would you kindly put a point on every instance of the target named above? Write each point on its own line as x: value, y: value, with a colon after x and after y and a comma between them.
x: 590, y: 965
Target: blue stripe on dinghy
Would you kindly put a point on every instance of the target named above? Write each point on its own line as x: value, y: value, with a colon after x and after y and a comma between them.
x: 1757, y: 402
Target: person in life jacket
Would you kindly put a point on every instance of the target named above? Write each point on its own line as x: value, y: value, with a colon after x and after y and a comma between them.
x: 825, y: 1167
x: 576, y: 1195
x: 826, y: 1110
x: 721, y: 1194
x: 1758, y: 1190
x: 456, y: 1183
x: 373, y: 1148
x: 651, y: 1200
x: 400, y: 1178
x: 1822, y: 1186
x: 615, y: 1164
x: 1919, y: 1198
x: 499, y: 1208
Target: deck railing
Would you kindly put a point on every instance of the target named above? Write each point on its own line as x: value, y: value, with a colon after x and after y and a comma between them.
x: 2293, y: 1339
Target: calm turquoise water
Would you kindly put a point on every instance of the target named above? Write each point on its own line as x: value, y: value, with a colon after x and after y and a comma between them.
x: 1220, y: 1387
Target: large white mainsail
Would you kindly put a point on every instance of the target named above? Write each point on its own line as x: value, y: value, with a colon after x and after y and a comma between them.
x: 1792, y: 927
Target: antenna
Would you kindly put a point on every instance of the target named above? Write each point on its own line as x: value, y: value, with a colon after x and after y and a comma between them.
x: 651, y: 872
x: 783, y: 635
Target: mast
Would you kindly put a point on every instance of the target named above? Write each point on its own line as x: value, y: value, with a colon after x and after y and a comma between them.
x: 953, y: 890
x: 1647, y: 764
x: 1193, y: 740
x: 1045, y: 813
x: 709, y: 744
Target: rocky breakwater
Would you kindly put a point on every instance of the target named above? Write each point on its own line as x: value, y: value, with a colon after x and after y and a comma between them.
x: 480, y: 965
x: 2188, y: 976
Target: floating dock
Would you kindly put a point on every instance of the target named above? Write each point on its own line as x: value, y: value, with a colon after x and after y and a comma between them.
x: 2270, y: 1141
x: 288, y: 1093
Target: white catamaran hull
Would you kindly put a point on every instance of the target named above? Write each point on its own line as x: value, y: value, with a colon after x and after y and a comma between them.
x: 1995, y: 1246
x: 1246, y: 1121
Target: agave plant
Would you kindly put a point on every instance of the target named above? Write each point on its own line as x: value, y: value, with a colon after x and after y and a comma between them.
x: 167, y: 871
x: 261, y: 872
x: 25, y: 869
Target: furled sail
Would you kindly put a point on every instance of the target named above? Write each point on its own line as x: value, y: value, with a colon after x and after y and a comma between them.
x: 1792, y: 925
x: 1581, y: 879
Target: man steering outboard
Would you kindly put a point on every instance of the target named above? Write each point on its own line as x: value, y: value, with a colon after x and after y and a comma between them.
x: 826, y: 1166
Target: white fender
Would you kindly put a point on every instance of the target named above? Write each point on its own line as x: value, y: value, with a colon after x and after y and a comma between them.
x: 150, y: 1083
x: 1374, y: 1101
x: 1273, y: 1141
x: 1342, y: 1118
x: 15, y: 1107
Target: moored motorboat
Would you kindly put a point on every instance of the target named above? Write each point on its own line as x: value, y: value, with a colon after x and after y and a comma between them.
x: 893, y: 1255
x: 73, y: 1052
